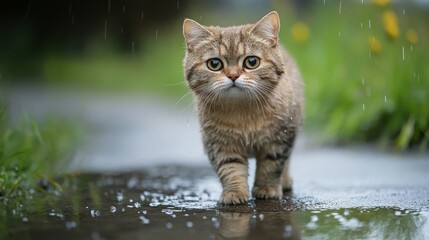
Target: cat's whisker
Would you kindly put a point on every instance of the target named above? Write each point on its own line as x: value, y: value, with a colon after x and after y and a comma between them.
x: 174, y: 84
x: 186, y: 94
x: 295, y: 80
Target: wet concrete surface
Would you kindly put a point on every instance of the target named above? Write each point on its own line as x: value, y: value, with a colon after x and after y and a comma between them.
x: 145, y: 176
x: 180, y: 202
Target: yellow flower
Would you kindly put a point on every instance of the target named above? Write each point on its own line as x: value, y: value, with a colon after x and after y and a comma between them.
x: 374, y: 44
x: 300, y: 32
x: 390, y: 23
x: 412, y: 36
x: 381, y: 3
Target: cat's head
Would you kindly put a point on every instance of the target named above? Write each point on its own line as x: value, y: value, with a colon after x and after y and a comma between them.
x: 239, y: 62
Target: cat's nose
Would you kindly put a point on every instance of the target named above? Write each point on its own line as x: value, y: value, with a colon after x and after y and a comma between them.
x: 233, y: 77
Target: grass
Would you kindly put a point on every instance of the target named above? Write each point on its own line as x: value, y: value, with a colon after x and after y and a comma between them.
x: 356, y: 92
x: 361, y: 84
x: 32, y: 155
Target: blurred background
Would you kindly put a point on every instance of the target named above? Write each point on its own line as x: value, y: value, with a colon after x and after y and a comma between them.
x: 364, y: 62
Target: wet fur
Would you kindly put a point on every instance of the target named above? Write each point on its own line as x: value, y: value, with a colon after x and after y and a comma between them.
x: 259, y: 119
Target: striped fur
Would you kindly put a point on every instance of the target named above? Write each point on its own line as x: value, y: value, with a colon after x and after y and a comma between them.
x: 259, y: 116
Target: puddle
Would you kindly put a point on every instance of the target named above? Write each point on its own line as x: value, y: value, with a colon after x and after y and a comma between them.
x: 181, y: 203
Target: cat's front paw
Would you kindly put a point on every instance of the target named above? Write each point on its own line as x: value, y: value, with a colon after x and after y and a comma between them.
x: 234, y: 197
x: 267, y: 192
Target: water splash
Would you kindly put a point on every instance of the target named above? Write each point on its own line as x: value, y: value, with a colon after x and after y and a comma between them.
x: 95, y: 213
x: 112, y: 209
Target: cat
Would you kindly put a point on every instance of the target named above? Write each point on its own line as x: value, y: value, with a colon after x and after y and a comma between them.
x: 249, y: 99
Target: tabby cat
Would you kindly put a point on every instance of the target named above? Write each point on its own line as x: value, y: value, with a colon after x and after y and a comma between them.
x: 249, y: 99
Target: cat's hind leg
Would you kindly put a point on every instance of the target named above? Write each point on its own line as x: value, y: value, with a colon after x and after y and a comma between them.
x: 268, y: 178
x: 271, y: 163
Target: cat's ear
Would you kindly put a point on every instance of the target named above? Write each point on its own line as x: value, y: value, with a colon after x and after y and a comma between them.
x: 194, y: 32
x: 268, y: 27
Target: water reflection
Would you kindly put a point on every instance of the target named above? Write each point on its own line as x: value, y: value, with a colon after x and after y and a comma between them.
x: 181, y: 204
x: 260, y: 219
x: 271, y: 225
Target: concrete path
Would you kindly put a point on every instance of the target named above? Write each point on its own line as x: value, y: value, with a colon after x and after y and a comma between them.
x: 152, y: 147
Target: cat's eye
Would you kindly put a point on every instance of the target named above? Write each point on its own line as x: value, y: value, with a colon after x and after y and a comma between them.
x: 251, y: 62
x: 215, y: 64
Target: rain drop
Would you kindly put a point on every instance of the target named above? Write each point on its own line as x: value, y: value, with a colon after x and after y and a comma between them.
x: 70, y: 9
x: 132, y: 46
x: 403, y: 53
x: 346, y: 212
x: 340, y: 7
x: 70, y: 225
x: 144, y: 220
x: 314, y: 218
x: 28, y: 11
x: 178, y: 5
x: 385, y: 98
x: 119, y: 197
x: 363, y: 106
x: 369, y: 23
x: 156, y: 34
x: 189, y: 224
x: 105, y: 29
x: 288, y: 231
x: 169, y: 225
x: 113, y: 209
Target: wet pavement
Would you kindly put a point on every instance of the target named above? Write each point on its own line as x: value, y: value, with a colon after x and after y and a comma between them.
x: 143, y: 175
